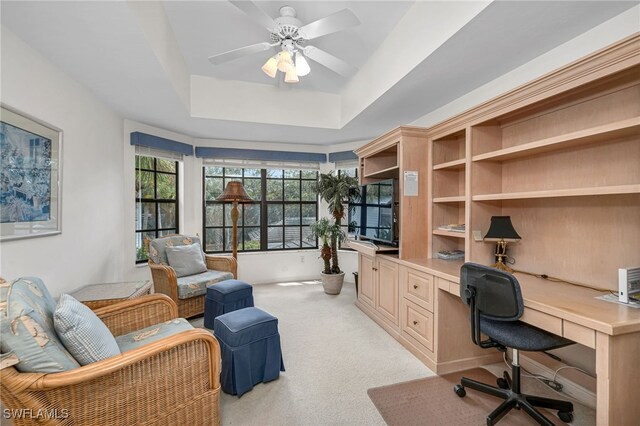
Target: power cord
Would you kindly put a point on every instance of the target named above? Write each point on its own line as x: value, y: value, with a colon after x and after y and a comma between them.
x: 551, y: 383
x: 560, y: 280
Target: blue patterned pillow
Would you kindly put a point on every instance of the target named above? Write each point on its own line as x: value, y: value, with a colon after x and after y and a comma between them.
x: 27, y: 330
x: 84, y: 335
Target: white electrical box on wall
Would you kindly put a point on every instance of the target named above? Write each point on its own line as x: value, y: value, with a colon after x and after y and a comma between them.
x: 628, y: 284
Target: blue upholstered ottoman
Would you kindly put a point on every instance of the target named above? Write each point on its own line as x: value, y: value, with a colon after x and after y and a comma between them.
x: 226, y: 296
x: 250, y: 348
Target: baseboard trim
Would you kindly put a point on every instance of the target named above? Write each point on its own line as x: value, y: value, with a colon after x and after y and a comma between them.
x: 572, y: 389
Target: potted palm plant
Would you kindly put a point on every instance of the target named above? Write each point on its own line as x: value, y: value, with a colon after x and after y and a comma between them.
x: 336, y: 190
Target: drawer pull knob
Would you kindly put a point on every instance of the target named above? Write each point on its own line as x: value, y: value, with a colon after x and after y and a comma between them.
x: 415, y: 323
x: 415, y: 286
x: 375, y: 269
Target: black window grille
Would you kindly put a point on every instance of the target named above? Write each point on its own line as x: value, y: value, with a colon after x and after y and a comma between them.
x: 156, y: 201
x: 284, y: 205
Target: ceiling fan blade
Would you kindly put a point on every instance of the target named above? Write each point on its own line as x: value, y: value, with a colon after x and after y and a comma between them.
x: 330, y: 24
x: 238, y: 53
x: 257, y: 14
x: 334, y: 64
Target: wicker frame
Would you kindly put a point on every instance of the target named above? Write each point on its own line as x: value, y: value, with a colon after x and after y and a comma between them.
x: 165, y: 281
x: 175, y: 380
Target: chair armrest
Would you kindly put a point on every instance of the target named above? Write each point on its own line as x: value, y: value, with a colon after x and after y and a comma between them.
x: 222, y: 263
x: 165, y: 280
x: 177, y: 374
x: 135, y: 314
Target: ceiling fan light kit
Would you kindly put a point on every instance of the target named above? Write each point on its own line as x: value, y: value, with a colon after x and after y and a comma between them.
x: 302, y: 66
x: 288, y: 33
x: 291, y: 76
x: 284, y: 61
x: 270, y: 67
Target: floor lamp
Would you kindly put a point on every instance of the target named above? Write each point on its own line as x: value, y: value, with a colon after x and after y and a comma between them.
x: 235, y: 193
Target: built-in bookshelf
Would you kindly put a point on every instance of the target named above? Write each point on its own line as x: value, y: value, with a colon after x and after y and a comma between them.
x: 565, y: 167
x: 403, y: 149
x: 448, y: 188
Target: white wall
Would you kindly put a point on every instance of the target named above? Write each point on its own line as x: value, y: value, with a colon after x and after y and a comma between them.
x: 90, y: 246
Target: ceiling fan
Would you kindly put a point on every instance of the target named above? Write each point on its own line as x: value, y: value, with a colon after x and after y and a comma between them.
x: 290, y: 36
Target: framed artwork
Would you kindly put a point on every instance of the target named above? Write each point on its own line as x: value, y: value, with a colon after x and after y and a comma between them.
x: 30, y: 176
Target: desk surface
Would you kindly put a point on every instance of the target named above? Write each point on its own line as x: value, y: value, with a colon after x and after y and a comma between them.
x: 566, y: 301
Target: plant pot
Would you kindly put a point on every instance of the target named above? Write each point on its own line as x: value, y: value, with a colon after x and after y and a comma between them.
x: 332, y: 283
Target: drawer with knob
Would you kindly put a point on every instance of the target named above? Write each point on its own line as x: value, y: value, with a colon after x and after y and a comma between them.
x: 417, y: 322
x: 417, y: 287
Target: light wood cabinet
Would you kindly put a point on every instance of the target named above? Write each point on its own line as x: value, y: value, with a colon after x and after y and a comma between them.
x: 378, y: 287
x: 560, y: 156
x: 417, y: 323
x: 401, y: 150
x: 417, y: 300
x: 367, y: 278
x: 387, y: 303
x: 557, y: 156
x: 417, y: 287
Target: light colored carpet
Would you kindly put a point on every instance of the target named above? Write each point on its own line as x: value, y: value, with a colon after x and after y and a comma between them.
x: 332, y: 353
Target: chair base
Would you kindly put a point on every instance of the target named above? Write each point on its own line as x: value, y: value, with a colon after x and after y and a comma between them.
x: 510, y: 391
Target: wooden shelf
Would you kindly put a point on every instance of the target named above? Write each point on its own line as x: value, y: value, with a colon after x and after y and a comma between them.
x: 456, y: 199
x: 553, y: 193
x: 451, y: 165
x: 449, y: 233
x: 388, y: 173
x: 602, y: 133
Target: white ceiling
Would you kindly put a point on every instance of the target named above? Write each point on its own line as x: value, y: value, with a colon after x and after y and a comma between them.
x: 221, y: 27
x: 138, y: 59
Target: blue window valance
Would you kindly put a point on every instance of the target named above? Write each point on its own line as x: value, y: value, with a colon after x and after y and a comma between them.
x: 260, y: 155
x: 156, y: 142
x: 342, y: 156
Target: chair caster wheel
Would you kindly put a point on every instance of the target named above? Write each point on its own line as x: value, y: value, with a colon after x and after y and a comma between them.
x: 459, y: 390
x: 565, y: 416
x: 502, y: 383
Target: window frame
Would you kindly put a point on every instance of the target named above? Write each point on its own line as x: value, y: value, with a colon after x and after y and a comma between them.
x: 264, y: 204
x: 156, y: 201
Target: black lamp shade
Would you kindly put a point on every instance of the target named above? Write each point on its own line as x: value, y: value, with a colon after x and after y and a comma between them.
x: 501, y: 229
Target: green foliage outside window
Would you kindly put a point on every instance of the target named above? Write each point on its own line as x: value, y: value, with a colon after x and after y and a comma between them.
x: 284, y: 205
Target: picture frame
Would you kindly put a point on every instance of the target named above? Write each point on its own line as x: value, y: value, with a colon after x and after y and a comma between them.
x: 30, y: 176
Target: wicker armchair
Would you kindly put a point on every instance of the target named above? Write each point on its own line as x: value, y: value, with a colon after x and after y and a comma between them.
x: 165, y: 280
x: 175, y: 380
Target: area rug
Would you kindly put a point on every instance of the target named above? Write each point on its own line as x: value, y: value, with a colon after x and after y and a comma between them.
x: 432, y: 402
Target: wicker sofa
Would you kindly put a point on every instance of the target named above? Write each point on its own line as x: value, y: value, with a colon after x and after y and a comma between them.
x: 172, y: 380
x: 165, y: 280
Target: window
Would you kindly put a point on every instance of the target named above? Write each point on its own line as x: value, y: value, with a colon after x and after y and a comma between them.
x: 352, y: 210
x: 284, y: 204
x: 156, y: 201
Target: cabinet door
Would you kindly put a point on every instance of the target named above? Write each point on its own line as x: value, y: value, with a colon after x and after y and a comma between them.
x: 388, y: 297
x: 366, y: 280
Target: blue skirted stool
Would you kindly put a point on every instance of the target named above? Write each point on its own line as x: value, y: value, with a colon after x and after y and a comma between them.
x: 226, y: 296
x: 250, y: 349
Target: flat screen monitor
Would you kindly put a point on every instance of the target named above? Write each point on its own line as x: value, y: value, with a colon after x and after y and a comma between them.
x: 373, y: 217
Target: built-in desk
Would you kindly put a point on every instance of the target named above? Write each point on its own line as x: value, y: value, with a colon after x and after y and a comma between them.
x: 432, y: 321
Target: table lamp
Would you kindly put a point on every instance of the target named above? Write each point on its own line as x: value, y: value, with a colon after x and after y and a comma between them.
x: 235, y: 193
x: 501, y: 230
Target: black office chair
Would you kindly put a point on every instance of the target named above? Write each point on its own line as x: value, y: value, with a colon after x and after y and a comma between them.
x: 495, y: 302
